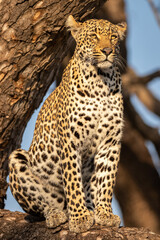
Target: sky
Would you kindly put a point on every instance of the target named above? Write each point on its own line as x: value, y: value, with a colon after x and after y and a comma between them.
x: 143, y: 44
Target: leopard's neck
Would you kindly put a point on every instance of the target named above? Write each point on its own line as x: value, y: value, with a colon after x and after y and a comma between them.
x: 86, y: 77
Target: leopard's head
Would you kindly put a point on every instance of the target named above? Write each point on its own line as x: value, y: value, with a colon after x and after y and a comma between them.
x: 97, y: 41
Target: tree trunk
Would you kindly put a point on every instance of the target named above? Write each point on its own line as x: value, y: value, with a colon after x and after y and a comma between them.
x: 138, y: 182
x: 32, y: 47
x: 17, y: 226
x: 33, y: 44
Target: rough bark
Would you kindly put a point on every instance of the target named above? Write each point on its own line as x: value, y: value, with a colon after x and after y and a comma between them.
x: 17, y: 226
x: 33, y: 44
x: 33, y: 50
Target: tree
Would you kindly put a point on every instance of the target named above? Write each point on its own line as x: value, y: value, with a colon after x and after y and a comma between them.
x: 17, y: 226
x: 33, y: 51
x: 33, y: 44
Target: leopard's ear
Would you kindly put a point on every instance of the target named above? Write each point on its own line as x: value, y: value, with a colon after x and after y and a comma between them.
x: 122, y: 28
x: 72, y: 25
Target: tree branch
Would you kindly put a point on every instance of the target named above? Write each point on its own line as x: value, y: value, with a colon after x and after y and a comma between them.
x: 130, y: 78
x: 13, y: 225
x: 149, y: 77
x: 147, y: 132
x: 157, y: 16
x: 136, y: 85
x: 135, y: 195
x: 147, y: 98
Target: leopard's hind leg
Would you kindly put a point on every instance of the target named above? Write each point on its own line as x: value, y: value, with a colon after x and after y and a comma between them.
x: 31, y: 194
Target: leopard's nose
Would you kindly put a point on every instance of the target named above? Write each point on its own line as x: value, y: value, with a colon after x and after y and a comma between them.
x: 107, y: 51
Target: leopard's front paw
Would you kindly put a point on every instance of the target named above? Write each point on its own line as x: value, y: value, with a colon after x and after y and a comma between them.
x: 106, y: 218
x: 55, y: 218
x: 81, y: 223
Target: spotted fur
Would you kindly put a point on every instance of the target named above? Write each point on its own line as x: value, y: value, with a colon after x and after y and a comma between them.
x: 70, y: 169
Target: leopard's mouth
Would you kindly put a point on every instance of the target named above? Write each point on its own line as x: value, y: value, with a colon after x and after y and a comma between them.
x: 102, y: 60
x: 107, y: 62
x: 98, y: 61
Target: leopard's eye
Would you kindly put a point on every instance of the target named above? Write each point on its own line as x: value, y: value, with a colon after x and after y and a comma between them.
x: 113, y: 37
x: 94, y: 35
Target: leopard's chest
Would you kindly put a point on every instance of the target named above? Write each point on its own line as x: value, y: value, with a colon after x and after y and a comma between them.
x: 95, y: 118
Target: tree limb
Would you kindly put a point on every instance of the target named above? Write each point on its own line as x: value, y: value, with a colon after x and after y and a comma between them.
x: 147, y: 98
x: 146, y: 79
x: 13, y: 225
x: 147, y: 132
x: 137, y: 85
x: 131, y: 78
x: 135, y: 195
x: 157, y: 16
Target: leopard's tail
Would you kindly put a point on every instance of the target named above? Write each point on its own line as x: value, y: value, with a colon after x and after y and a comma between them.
x: 19, y: 170
x: 19, y: 159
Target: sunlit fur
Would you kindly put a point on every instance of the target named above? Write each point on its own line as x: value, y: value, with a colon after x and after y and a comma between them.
x: 97, y: 35
x: 69, y: 171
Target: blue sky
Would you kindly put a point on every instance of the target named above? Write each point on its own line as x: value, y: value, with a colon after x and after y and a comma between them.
x: 143, y: 43
x: 144, y: 37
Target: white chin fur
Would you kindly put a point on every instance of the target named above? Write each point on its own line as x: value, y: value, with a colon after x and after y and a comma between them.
x: 105, y: 64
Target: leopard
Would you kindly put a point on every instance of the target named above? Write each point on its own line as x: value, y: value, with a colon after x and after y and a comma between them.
x: 69, y: 172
